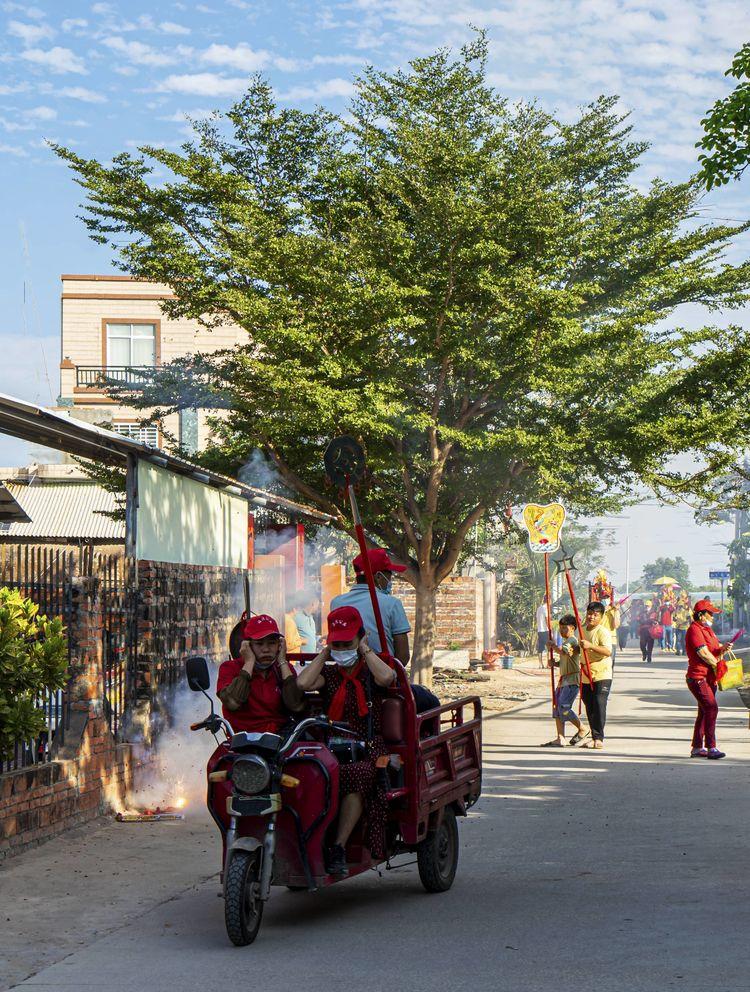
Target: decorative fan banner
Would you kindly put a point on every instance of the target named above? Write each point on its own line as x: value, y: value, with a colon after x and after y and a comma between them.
x: 544, y: 524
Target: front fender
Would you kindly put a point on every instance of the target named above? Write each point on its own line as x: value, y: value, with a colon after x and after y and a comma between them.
x: 249, y: 844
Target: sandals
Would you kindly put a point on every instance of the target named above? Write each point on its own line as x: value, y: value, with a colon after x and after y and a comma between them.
x: 577, y: 738
x: 594, y: 745
x: 554, y: 743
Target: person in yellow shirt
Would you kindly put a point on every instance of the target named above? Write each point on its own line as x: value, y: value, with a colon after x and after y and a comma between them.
x: 597, y: 643
x: 291, y: 634
x: 612, y: 620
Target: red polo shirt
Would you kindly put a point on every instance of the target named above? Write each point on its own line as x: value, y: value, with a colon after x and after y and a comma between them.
x: 698, y: 636
x: 264, y: 710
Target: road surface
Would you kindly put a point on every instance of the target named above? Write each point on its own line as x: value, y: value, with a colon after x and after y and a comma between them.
x: 590, y: 871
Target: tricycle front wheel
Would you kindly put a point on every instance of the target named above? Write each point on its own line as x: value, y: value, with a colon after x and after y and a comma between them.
x: 437, y: 855
x: 243, y: 907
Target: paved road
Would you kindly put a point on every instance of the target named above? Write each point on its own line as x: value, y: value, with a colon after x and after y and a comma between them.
x: 618, y: 870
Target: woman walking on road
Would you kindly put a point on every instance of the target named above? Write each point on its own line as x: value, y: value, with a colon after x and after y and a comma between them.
x: 704, y: 652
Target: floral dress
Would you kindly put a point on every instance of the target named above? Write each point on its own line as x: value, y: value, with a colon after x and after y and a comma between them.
x: 361, y: 776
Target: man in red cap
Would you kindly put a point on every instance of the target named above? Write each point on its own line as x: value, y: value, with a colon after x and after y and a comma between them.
x: 704, y: 653
x: 395, y: 624
x: 259, y: 690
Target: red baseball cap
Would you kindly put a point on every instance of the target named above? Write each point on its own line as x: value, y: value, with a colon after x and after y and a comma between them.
x: 379, y: 562
x: 344, y: 624
x: 256, y: 628
x: 705, y: 606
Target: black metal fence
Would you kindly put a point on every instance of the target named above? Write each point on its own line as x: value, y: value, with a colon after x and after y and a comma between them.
x: 119, y: 630
x: 47, y: 576
x: 42, y: 574
x: 101, y: 376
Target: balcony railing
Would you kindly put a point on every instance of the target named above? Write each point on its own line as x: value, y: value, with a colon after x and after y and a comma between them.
x: 101, y: 376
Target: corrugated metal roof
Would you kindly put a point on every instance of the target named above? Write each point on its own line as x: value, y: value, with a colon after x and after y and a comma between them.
x: 65, y: 510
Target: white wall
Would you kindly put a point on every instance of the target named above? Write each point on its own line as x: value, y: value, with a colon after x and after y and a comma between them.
x: 181, y: 520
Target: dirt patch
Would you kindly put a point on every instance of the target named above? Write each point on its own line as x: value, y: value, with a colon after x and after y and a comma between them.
x: 499, y: 691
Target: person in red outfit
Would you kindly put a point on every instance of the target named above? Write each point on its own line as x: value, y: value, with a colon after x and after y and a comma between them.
x: 351, y: 688
x: 704, y: 653
x: 258, y: 690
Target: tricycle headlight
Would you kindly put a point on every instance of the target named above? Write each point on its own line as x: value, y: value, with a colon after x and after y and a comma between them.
x: 251, y: 774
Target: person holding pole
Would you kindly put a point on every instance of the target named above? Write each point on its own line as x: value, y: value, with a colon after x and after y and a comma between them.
x: 596, y: 677
x: 569, y: 654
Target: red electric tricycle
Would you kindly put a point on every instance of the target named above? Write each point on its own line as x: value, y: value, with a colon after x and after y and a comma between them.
x: 275, y: 797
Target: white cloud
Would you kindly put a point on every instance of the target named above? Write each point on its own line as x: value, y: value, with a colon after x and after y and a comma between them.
x: 33, y: 12
x: 15, y: 125
x: 42, y: 113
x: 169, y: 27
x: 6, y: 90
x: 16, y: 150
x: 30, y: 34
x: 82, y: 93
x: 204, y: 84
x: 138, y: 52
x: 241, y: 57
x: 74, y: 25
x: 181, y: 116
x: 320, y: 91
x: 56, y: 59
x: 102, y: 9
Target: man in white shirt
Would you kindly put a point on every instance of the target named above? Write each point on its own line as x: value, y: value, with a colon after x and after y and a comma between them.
x: 542, y: 633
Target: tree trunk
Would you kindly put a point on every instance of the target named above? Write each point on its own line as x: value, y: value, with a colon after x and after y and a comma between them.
x: 424, y: 633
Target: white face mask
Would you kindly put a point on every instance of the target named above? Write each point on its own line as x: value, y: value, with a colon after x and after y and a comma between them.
x: 345, y: 658
x: 709, y: 621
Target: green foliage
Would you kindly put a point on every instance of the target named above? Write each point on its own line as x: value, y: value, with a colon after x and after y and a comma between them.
x: 475, y: 288
x: 33, y: 657
x: 677, y: 568
x: 726, y: 141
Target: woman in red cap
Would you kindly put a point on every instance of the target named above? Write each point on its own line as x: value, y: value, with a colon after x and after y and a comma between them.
x: 704, y: 653
x: 258, y: 690
x: 346, y: 687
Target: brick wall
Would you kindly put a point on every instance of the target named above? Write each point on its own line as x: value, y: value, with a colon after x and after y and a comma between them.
x: 39, y: 802
x: 187, y: 609
x: 460, y: 612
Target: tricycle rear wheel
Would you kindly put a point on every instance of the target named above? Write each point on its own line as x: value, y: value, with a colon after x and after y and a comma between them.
x: 437, y: 855
x: 243, y: 907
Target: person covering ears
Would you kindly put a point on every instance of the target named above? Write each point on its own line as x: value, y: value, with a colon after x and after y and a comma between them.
x: 351, y: 688
x: 705, y: 668
x: 395, y: 624
x: 569, y: 654
x: 258, y: 690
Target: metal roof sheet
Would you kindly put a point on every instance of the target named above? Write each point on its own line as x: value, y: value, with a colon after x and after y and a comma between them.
x: 66, y: 510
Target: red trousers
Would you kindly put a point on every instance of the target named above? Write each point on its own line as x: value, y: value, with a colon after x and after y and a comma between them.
x: 708, y: 710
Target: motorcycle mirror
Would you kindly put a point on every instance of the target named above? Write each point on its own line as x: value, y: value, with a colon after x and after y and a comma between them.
x: 198, y: 676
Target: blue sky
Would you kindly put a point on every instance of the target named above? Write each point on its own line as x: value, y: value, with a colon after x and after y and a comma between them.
x: 102, y: 77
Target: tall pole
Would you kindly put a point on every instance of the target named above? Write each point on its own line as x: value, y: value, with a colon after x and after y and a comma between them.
x: 579, y: 626
x: 627, y: 564
x: 550, y: 652
x: 722, y: 602
x: 360, y: 532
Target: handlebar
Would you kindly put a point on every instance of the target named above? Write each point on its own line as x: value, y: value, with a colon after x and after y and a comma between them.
x: 213, y: 723
x: 314, y: 721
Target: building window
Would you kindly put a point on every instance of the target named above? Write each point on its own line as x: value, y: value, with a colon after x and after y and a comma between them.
x: 149, y: 434
x: 132, y: 345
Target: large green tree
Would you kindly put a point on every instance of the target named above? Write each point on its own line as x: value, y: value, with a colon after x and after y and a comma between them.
x: 675, y: 568
x: 475, y: 288
x: 726, y: 140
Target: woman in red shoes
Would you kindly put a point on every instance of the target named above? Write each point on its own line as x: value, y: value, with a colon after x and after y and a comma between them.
x: 704, y: 653
x: 351, y: 693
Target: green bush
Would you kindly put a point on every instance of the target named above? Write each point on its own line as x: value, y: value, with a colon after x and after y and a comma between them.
x: 33, y: 658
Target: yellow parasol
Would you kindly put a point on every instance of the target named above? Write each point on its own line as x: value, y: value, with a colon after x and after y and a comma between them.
x: 665, y: 580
